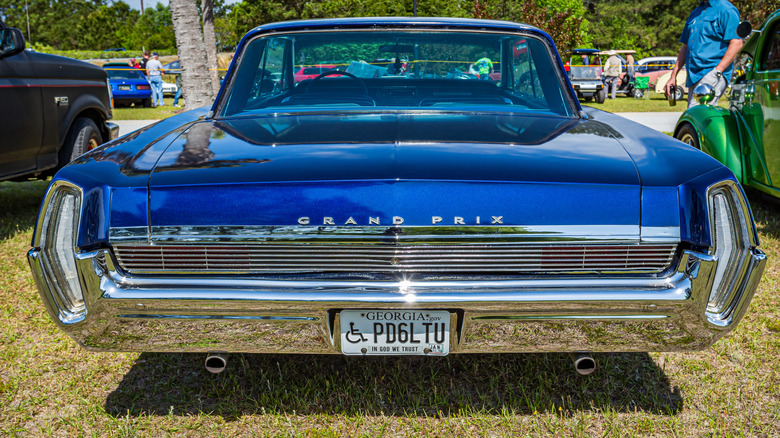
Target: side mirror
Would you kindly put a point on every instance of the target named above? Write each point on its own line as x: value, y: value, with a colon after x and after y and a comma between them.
x: 744, y: 29
x: 11, y: 42
x: 704, y: 93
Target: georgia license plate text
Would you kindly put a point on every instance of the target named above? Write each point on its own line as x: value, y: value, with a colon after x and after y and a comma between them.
x: 395, y: 332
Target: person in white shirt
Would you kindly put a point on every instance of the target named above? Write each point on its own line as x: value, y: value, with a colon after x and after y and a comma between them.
x: 612, y: 72
x: 155, y: 71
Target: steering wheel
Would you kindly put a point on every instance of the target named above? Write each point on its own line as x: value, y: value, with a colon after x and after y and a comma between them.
x: 338, y: 72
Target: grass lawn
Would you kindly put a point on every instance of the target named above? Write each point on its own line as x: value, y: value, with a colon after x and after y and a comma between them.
x: 50, y: 386
x: 623, y: 104
x: 141, y: 113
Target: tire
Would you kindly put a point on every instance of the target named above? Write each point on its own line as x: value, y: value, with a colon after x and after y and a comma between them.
x: 147, y: 103
x: 83, y: 136
x: 688, y: 135
x: 601, y: 95
x: 679, y: 94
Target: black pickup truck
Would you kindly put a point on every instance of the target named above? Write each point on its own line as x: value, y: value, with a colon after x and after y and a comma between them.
x: 52, y: 109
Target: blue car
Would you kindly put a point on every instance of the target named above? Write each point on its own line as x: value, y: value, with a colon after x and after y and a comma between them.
x: 128, y: 85
x: 391, y: 208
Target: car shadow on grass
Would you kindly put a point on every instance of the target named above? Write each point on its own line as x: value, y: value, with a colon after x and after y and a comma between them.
x: 161, y: 384
x: 20, y: 202
x: 766, y: 212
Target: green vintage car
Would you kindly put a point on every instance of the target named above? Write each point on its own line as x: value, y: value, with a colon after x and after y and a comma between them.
x: 746, y: 136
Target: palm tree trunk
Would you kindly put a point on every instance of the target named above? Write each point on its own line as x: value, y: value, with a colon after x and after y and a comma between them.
x: 210, y: 40
x: 189, y: 41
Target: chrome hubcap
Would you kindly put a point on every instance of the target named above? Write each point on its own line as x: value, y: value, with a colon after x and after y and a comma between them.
x: 687, y: 139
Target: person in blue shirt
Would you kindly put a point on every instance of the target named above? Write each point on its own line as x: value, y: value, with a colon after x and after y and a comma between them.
x: 709, y: 46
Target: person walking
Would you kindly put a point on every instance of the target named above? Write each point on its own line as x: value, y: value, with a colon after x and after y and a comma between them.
x: 144, y: 60
x: 709, y: 46
x: 154, y: 68
x: 612, y: 72
x: 630, y: 68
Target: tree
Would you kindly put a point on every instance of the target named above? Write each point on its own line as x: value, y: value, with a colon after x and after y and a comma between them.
x: 756, y: 11
x: 210, y: 42
x: 189, y: 41
x: 561, y: 19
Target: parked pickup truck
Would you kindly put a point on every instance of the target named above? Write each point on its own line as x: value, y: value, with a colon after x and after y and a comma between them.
x: 52, y: 109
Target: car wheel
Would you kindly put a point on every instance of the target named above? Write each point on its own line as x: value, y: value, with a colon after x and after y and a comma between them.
x: 679, y: 94
x: 147, y: 103
x: 83, y: 136
x: 688, y: 135
x: 601, y: 96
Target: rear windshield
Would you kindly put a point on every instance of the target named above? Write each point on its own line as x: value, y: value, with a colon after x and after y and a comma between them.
x: 396, y: 69
x: 124, y: 73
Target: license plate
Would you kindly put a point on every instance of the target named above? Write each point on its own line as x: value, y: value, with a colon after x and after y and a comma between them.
x: 395, y: 332
x: 124, y: 87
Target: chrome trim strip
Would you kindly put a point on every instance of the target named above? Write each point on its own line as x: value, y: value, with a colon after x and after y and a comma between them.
x: 507, y: 233
x: 660, y: 234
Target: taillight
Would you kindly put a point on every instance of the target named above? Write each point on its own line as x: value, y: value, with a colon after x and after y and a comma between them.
x: 731, y: 240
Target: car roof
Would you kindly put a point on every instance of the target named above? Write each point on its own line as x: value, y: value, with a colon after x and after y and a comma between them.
x: 657, y: 58
x: 117, y: 64
x: 370, y: 22
x: 585, y: 51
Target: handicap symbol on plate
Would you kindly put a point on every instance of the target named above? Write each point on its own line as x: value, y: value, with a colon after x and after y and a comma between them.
x: 354, y: 332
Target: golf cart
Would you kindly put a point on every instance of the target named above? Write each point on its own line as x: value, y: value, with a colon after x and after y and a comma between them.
x: 585, y: 72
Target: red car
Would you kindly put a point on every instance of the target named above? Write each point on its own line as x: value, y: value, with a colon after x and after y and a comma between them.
x: 312, y: 71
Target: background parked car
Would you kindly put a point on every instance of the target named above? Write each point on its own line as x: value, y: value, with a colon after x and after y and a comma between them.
x: 654, y: 67
x: 128, y: 85
x: 173, y: 67
x: 745, y: 137
x: 169, y: 89
x: 52, y: 109
x: 311, y: 72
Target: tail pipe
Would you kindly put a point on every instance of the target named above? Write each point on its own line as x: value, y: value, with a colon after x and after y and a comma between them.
x: 584, y: 364
x: 215, y: 363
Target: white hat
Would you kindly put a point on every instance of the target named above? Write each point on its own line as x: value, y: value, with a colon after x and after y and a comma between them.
x: 611, y: 52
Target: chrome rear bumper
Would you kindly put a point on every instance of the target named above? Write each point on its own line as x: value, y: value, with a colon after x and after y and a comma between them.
x: 197, y: 314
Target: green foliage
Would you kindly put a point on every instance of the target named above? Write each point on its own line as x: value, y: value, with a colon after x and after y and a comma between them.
x: 756, y: 11
x: 653, y: 27
x: 91, y: 25
x: 561, y: 19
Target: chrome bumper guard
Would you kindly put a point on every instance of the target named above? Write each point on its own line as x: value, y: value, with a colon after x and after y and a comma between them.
x: 169, y: 314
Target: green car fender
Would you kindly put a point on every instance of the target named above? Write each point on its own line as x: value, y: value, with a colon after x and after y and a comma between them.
x: 717, y: 134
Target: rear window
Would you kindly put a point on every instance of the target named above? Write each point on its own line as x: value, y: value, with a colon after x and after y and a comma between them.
x: 427, y: 69
x: 124, y: 73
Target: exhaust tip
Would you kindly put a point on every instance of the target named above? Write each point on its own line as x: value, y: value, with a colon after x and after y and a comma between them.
x: 215, y: 363
x: 584, y: 364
